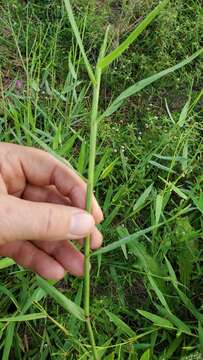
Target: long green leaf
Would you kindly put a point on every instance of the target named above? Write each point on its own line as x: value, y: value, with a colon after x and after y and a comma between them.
x: 184, y: 113
x: 122, y: 327
x: 28, y: 317
x: 142, y: 199
x: 8, y: 341
x: 6, y: 262
x: 7, y: 292
x: 73, y: 323
x: 181, y: 326
x: 174, y: 345
x: 140, y: 85
x: 157, y: 320
x: 146, y: 355
x: 124, y: 241
x: 67, y: 304
x: 158, y: 292
x: 158, y: 207
x: 79, y: 40
x: 200, y: 331
x: 107, y: 60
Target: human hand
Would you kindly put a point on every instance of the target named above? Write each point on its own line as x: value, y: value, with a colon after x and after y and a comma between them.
x: 41, y: 210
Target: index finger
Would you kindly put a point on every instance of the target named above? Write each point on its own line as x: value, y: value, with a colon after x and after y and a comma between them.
x: 41, y: 169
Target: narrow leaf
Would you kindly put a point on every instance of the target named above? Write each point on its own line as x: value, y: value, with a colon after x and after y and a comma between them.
x: 132, y: 37
x: 198, y: 202
x: 146, y: 355
x: 67, y: 304
x: 106, y: 172
x: 142, y: 199
x: 140, y: 85
x: 121, y: 325
x: 200, y: 330
x: 157, y: 320
x: 100, y: 167
x: 8, y: 341
x: 5, y: 263
x: 158, y: 293
x: 174, y: 345
x: 28, y: 317
x: 180, y: 325
x: 73, y: 323
x: 184, y: 113
x: 124, y: 241
x: 79, y: 40
x: 161, y: 167
x: 82, y: 158
x: 159, y: 206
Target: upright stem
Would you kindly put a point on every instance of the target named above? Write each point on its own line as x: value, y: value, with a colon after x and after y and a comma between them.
x: 90, y: 187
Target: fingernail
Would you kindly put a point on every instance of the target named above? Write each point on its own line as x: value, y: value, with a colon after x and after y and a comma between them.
x: 81, y: 224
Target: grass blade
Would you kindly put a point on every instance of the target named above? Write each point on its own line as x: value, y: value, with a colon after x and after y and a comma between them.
x: 186, y: 301
x: 140, y: 85
x: 157, y: 320
x: 5, y: 263
x: 79, y: 40
x: 158, y: 293
x: 116, y: 244
x: 73, y: 323
x: 28, y: 317
x: 107, y: 60
x: 67, y: 304
x: 184, y: 113
x: 122, y: 327
x: 200, y: 330
x: 198, y: 202
x: 180, y: 325
x: 146, y: 355
x: 158, y: 208
x: 142, y: 199
x: 8, y: 341
x: 172, y: 348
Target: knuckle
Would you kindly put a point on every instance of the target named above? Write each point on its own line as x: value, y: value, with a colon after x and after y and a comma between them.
x: 5, y: 222
x: 49, y: 222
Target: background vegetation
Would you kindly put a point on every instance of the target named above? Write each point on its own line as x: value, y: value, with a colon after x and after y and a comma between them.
x: 149, y: 171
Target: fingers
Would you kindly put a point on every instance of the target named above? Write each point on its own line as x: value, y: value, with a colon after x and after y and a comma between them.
x: 29, y: 256
x: 41, y: 169
x: 3, y: 189
x: 45, y: 194
x: 66, y: 254
x: 96, y: 240
x: 22, y: 220
x: 51, y: 195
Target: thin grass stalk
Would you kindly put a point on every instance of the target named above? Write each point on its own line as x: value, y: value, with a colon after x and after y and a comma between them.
x: 90, y: 188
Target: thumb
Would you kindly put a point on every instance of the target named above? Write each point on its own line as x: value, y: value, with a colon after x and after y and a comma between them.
x: 26, y: 220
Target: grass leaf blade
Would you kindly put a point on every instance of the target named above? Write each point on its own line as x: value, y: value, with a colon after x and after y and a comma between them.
x: 123, y: 327
x: 79, y: 40
x: 8, y: 341
x: 6, y: 262
x: 140, y: 85
x: 67, y: 304
x: 106, y: 61
x: 157, y: 320
x: 126, y: 240
x: 142, y: 199
x: 20, y: 318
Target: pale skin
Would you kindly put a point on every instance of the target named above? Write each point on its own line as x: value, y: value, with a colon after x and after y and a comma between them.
x: 42, y: 204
